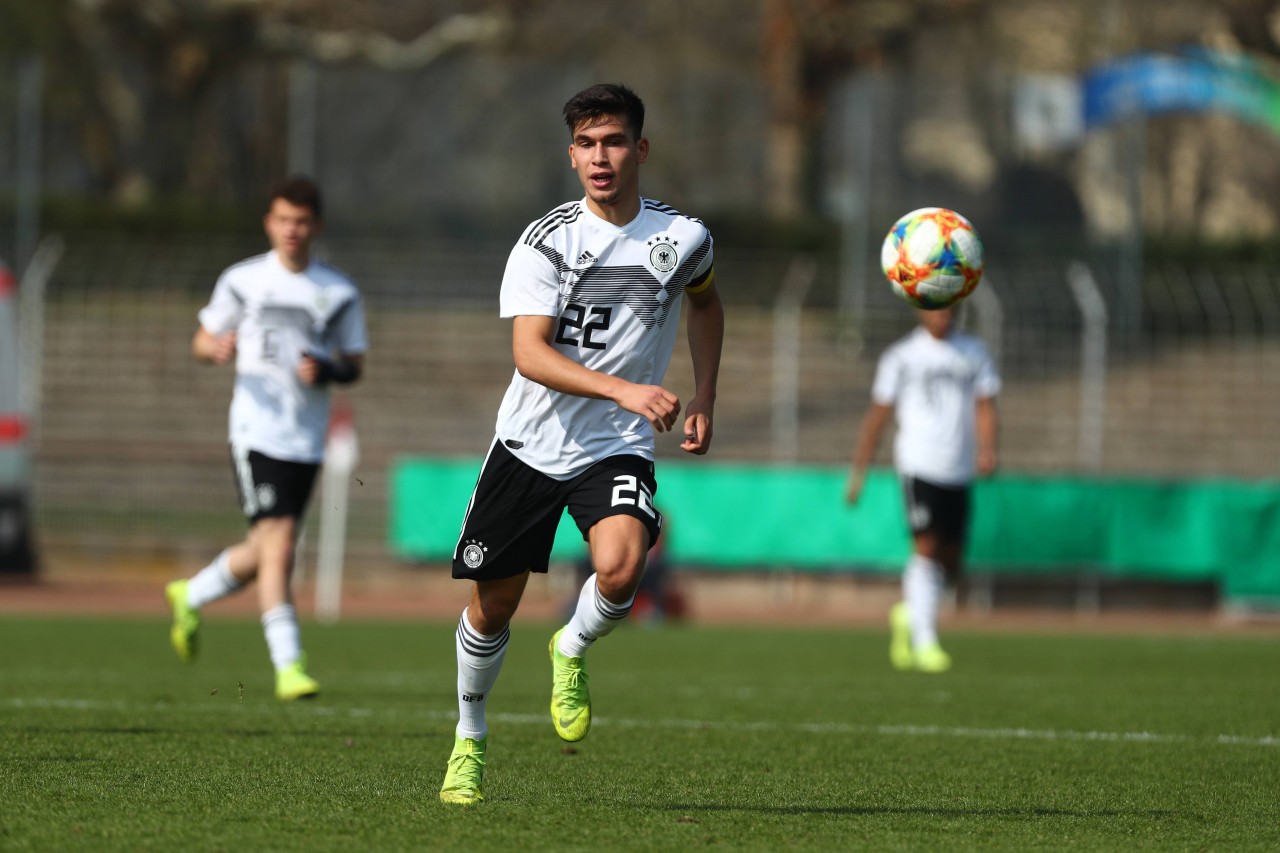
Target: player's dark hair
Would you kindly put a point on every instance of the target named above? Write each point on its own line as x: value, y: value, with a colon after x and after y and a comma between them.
x: 298, y: 190
x: 601, y: 100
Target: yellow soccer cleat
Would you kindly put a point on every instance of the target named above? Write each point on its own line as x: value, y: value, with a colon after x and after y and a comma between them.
x: 292, y: 682
x: 185, y: 630
x: 570, y: 699
x: 900, y: 637
x: 932, y: 659
x: 466, y: 772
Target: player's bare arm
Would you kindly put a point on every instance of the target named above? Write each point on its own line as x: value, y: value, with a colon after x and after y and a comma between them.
x: 343, y: 370
x: 215, y: 349
x: 987, y: 428
x: 706, y: 340
x: 538, y: 361
x: 865, y: 449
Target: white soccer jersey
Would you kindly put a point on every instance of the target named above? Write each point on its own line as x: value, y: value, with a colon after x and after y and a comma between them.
x: 934, y: 386
x: 617, y: 293
x: 278, y: 315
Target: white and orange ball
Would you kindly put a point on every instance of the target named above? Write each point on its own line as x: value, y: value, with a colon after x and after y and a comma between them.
x: 932, y: 257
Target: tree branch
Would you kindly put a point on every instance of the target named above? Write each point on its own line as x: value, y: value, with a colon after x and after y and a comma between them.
x: 383, y: 52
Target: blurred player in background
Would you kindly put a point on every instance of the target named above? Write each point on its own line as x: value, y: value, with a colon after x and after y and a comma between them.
x: 294, y: 326
x: 595, y: 289
x: 943, y: 385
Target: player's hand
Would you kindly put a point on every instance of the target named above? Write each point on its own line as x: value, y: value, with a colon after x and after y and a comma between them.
x: 853, y: 490
x: 986, y: 462
x: 697, y: 429
x: 308, y: 369
x: 652, y: 402
x: 224, y: 348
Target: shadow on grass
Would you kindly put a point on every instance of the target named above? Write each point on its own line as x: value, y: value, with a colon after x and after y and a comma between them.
x: 923, y: 810
x: 133, y: 730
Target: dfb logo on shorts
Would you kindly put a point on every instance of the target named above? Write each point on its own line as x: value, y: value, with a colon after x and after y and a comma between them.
x: 265, y: 495
x: 473, y: 554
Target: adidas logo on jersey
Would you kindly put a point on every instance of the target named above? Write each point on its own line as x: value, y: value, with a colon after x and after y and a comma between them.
x: 585, y: 259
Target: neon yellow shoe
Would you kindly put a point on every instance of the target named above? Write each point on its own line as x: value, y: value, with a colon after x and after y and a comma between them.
x: 932, y: 659
x: 292, y: 682
x: 570, y: 700
x: 900, y: 637
x: 185, y: 632
x: 466, y: 772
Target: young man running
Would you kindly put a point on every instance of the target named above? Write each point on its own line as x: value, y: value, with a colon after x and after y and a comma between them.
x: 293, y: 326
x: 595, y: 290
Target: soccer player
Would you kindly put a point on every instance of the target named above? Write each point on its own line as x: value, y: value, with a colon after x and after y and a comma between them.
x: 595, y: 290
x: 294, y: 326
x: 943, y: 385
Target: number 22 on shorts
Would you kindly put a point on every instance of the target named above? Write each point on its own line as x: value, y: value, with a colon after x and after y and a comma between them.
x: 632, y: 492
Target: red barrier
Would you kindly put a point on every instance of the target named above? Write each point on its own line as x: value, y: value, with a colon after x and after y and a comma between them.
x: 13, y: 429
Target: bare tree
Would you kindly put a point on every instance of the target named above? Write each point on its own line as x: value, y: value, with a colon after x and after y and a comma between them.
x: 808, y: 47
x: 152, y: 89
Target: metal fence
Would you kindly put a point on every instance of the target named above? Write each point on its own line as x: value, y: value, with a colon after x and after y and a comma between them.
x: 1111, y: 368
x: 129, y: 440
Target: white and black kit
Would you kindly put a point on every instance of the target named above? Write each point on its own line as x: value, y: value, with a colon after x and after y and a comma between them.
x: 934, y: 385
x: 277, y: 423
x: 512, y: 520
x: 616, y: 294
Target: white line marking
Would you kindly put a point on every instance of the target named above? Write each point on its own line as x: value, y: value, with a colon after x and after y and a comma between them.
x: 220, y: 707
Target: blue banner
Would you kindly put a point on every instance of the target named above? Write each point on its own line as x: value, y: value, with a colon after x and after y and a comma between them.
x: 1199, y: 80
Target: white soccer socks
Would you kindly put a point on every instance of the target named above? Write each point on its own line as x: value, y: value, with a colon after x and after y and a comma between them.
x: 479, y: 661
x: 923, y: 584
x: 284, y: 641
x: 211, y: 583
x: 594, y: 617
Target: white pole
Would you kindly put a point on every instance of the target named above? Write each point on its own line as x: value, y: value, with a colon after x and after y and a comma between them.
x: 303, y: 99
x: 29, y: 148
x: 857, y: 253
x: 31, y: 302
x: 787, y: 332
x: 990, y: 320
x: 342, y: 452
x: 989, y: 325
x: 1093, y: 363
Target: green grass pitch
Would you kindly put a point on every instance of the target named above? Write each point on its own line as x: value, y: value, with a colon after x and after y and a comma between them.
x: 704, y: 738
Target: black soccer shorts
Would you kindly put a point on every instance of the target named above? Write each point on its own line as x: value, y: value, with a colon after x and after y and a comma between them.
x: 515, y: 509
x: 932, y: 508
x: 269, y: 487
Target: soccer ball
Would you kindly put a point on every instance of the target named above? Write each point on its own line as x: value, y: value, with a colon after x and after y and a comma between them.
x: 932, y: 257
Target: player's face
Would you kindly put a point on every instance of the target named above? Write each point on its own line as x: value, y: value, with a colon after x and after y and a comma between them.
x: 290, y: 230
x: 938, y: 322
x: 607, y: 157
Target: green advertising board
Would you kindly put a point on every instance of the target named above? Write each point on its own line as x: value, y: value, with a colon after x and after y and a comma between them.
x: 736, y: 516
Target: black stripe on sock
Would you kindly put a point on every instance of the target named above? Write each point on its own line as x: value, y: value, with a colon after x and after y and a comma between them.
x: 609, y: 610
x: 477, y: 644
